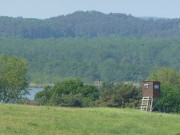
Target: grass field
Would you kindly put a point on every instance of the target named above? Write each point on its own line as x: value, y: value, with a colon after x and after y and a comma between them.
x: 35, y: 120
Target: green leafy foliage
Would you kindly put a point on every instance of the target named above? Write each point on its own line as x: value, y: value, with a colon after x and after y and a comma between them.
x: 170, y: 99
x: 119, y: 95
x: 166, y: 76
x: 92, y: 46
x: 13, y: 78
x: 73, y: 93
x: 170, y: 89
x: 43, y: 96
x: 93, y: 59
x: 88, y: 24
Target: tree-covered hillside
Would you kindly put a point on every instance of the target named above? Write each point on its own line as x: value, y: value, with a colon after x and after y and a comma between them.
x: 88, y: 24
x: 111, y: 58
x: 92, y: 46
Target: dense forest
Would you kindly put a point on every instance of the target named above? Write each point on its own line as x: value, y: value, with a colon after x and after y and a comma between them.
x: 89, y: 24
x: 92, y: 46
x: 96, y: 59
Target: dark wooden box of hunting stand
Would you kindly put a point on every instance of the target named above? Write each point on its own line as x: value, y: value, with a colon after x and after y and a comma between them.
x: 150, y: 89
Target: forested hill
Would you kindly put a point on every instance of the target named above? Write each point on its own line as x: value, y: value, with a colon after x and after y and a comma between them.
x: 92, y: 46
x: 110, y: 58
x: 89, y: 24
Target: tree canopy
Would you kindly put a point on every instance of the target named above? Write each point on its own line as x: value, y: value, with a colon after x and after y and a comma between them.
x: 165, y: 75
x: 13, y: 78
x: 169, y: 78
x: 92, y: 46
x: 88, y: 24
x: 93, y: 59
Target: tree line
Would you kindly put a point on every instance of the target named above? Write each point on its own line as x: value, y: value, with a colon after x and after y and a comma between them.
x: 75, y: 93
x: 106, y: 59
x: 88, y: 24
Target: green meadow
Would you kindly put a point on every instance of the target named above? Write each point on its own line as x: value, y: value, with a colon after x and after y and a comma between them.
x: 41, y: 120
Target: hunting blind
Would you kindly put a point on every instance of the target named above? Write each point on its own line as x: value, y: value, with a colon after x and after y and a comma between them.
x: 150, y: 89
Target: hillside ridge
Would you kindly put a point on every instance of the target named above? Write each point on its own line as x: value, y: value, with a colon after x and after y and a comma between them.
x: 88, y: 24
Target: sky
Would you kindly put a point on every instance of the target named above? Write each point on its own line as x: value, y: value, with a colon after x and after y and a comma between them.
x: 50, y: 8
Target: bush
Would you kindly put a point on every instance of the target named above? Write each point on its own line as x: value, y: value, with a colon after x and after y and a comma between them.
x: 66, y: 100
x: 169, y: 100
x: 71, y: 93
x: 119, y: 95
x: 44, y: 96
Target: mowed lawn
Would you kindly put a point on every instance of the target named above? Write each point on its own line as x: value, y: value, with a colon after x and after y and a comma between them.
x: 37, y: 120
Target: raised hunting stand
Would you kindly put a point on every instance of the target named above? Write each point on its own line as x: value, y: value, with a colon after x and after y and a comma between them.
x: 150, y: 89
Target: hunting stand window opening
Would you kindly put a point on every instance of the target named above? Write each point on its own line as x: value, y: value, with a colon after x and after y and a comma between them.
x: 156, y: 86
x: 146, y: 86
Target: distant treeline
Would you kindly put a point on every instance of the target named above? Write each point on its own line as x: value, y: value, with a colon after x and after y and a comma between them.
x: 88, y: 24
x: 111, y: 58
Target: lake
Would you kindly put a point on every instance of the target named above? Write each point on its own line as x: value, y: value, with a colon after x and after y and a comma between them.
x: 33, y: 92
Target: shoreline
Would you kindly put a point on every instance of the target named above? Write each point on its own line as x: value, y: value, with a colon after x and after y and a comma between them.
x: 36, y: 85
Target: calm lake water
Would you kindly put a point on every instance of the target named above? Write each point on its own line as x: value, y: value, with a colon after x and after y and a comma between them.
x: 33, y: 92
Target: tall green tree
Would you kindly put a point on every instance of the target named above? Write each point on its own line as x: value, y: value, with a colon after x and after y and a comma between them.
x: 13, y: 78
x: 166, y: 76
x: 169, y: 100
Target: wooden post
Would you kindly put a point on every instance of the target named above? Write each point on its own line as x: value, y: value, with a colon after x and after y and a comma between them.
x: 147, y: 104
x: 151, y: 105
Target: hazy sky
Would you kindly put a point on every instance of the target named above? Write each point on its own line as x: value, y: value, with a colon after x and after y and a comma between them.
x: 51, y: 8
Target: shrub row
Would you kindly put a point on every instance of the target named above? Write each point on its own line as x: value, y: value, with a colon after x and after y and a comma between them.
x: 75, y: 93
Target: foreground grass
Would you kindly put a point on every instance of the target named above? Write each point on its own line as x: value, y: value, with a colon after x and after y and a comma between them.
x: 35, y: 120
